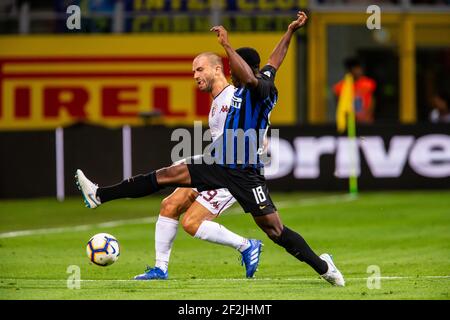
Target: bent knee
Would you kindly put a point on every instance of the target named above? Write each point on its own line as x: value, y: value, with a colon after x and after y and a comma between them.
x: 169, y: 208
x: 274, y: 233
x: 190, y: 225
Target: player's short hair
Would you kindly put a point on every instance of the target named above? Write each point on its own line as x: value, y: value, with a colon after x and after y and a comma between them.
x: 213, y: 58
x: 251, y: 56
x: 352, y: 62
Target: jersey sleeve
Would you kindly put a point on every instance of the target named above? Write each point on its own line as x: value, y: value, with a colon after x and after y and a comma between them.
x: 269, y: 72
x: 372, y: 85
x: 266, y: 82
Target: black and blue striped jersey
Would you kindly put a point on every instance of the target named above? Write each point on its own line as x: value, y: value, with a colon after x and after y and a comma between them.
x: 247, y: 123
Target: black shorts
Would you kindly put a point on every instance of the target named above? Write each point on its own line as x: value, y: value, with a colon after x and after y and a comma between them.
x: 246, y: 185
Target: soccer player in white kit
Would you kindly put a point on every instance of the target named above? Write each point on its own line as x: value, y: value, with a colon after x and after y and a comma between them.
x: 201, y: 208
x: 247, y: 75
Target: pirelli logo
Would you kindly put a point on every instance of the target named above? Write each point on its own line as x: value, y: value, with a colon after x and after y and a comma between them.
x: 46, y: 92
x: 48, y: 81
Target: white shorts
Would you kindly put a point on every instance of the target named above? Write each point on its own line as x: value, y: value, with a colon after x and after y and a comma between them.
x: 216, y: 201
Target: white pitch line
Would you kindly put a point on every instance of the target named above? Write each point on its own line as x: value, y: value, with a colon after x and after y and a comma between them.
x: 117, y: 223
x: 233, y: 279
x: 85, y: 227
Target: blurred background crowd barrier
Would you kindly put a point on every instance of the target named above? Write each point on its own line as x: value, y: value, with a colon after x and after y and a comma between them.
x: 126, y: 76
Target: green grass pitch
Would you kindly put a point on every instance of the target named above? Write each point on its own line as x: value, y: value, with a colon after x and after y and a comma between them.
x: 404, y: 234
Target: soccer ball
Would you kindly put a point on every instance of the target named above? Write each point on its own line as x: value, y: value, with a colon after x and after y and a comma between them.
x: 103, y: 249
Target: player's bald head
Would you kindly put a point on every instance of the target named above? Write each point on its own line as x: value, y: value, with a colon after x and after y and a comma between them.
x: 212, y: 58
x: 207, y: 68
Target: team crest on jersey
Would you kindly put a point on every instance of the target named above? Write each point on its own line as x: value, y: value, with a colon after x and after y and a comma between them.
x: 213, y: 109
x: 224, y: 108
x: 236, y: 102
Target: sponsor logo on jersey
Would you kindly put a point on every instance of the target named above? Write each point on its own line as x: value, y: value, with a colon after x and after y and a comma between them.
x: 236, y: 102
x: 215, y: 204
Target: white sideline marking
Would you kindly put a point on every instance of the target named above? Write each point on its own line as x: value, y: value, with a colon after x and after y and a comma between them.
x: 117, y: 223
x: 231, y: 279
x: 85, y: 227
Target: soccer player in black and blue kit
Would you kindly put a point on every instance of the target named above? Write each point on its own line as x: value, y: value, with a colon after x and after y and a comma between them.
x: 237, y: 164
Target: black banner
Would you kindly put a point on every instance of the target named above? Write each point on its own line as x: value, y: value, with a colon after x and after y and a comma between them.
x: 385, y: 157
x: 303, y: 158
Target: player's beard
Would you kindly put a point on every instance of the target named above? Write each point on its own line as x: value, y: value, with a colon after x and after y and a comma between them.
x: 209, y: 85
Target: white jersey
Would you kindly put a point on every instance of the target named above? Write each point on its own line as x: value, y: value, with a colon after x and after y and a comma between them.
x: 219, y: 111
x: 217, y: 201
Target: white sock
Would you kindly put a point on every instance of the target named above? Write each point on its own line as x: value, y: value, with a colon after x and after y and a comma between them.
x: 165, y: 233
x: 216, y: 233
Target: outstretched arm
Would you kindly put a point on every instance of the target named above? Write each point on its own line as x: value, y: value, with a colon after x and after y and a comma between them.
x: 238, y: 66
x: 279, y: 53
